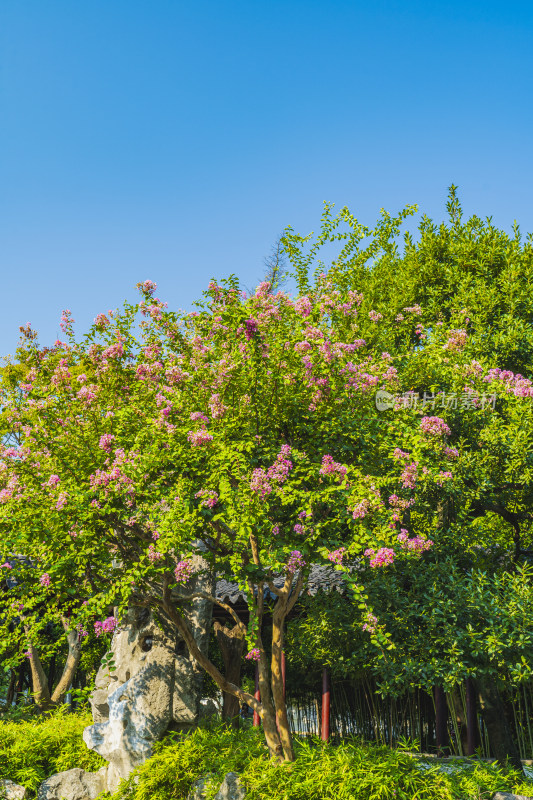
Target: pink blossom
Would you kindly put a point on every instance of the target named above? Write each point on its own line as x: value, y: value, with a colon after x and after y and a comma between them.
x: 148, y: 287
x: 361, y: 509
x: 197, y: 415
x: 87, y: 393
x: 106, y: 626
x: 61, y: 501
x: 44, y: 580
x: 456, y: 339
x: 434, y: 426
x: 409, y: 475
x: 66, y: 321
x: 371, y: 623
x: 382, y: 558
x: 296, y: 561
x: 253, y: 655
x: 331, y: 467
x: 217, y: 407
x: 183, y: 571
x: 375, y: 316
x: 400, y: 454
x: 299, y: 529
x: 101, y: 321
x: 336, y: 556
x: 6, y: 565
x: 153, y: 554
x: 275, y: 530
x: 416, y: 545
x: 199, y: 438
x: 250, y: 328
x: 209, y: 498
x: 442, y: 477
x: 260, y: 483
x: 303, y: 306
x: 451, y: 452
x: 53, y: 480
x: 106, y: 442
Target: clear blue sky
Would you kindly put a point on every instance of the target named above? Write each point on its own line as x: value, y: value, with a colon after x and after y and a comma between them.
x: 174, y: 140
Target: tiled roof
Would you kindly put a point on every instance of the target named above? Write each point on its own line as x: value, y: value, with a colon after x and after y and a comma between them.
x: 321, y: 578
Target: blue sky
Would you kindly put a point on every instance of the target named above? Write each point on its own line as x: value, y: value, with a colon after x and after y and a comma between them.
x: 175, y: 140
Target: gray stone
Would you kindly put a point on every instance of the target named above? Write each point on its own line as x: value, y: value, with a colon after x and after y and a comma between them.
x: 74, y: 784
x: 152, y: 685
x: 230, y: 788
x: 507, y: 796
x: 11, y: 791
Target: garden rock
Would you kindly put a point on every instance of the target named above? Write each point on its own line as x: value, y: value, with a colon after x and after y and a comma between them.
x: 507, y: 796
x: 231, y: 788
x: 74, y: 784
x: 11, y: 791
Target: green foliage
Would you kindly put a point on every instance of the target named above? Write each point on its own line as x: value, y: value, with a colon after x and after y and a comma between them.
x: 31, y: 751
x: 349, y: 771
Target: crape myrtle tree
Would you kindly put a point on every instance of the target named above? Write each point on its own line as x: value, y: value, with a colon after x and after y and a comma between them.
x: 245, y: 431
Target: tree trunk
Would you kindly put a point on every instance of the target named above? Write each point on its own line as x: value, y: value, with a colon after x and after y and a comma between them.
x: 231, y: 643
x: 71, y: 665
x: 278, y: 689
x: 501, y: 740
x: 11, y: 688
x: 40, y: 692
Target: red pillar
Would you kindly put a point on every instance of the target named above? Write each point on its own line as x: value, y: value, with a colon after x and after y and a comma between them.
x: 470, y: 717
x: 257, y: 718
x: 324, y: 728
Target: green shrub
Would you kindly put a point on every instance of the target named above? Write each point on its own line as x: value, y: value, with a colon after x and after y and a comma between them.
x: 32, y: 750
x: 348, y: 771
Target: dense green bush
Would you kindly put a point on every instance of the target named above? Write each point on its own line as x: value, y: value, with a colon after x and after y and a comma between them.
x: 348, y: 771
x: 32, y: 750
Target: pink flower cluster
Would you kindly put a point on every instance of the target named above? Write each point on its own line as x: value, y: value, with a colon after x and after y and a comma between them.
x: 106, y: 442
x: 303, y: 306
x: 250, y: 328
x: 361, y: 509
x: 296, y: 561
x: 217, y: 407
x: 442, y: 477
x: 199, y: 438
x: 375, y: 316
x: 456, y: 339
x: 409, y: 475
x: 416, y: 545
x: 381, y: 558
x: 434, y: 426
x: 451, y: 452
x: 197, y: 415
x: 153, y: 554
x: 66, y: 321
x: 183, y: 571
x: 209, y: 498
x: 514, y: 384
x: 261, y: 481
x: 87, y: 393
x: 105, y: 626
x: 336, y: 556
x: 400, y: 454
x: 45, y: 580
x: 331, y: 467
x: 253, y: 655
x: 371, y: 623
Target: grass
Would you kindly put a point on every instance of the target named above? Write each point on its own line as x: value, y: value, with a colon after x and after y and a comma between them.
x: 31, y: 751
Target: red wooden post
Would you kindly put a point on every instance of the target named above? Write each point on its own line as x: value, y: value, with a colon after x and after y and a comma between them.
x: 324, y: 728
x: 283, y: 671
x: 257, y: 718
x: 470, y: 717
x: 441, y: 719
